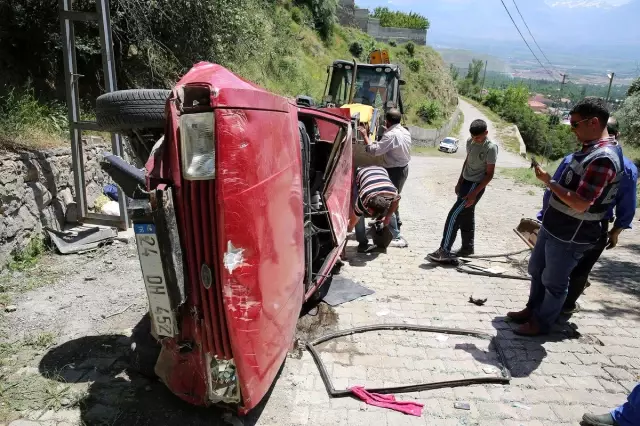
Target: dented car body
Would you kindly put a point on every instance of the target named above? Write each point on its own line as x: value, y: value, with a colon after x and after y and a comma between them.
x: 245, y: 221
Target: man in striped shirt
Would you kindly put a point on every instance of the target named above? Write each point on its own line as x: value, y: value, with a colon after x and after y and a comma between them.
x: 374, y: 195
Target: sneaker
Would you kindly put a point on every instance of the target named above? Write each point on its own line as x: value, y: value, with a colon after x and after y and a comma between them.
x: 440, y: 255
x: 464, y: 252
x: 399, y: 243
x: 598, y: 420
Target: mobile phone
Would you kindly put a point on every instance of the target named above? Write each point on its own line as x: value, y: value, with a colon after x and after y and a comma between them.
x: 534, y: 162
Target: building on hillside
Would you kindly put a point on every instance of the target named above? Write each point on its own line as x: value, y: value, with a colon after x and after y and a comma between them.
x: 350, y: 15
x: 542, y: 99
x: 537, y: 107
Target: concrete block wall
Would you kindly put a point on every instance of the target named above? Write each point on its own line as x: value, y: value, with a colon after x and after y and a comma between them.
x: 349, y: 15
x: 432, y: 137
x: 401, y: 35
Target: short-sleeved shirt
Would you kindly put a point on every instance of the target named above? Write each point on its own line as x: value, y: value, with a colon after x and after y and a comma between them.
x: 370, y: 182
x: 478, y: 156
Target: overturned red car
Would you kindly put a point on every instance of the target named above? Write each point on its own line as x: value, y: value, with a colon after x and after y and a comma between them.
x: 240, y: 216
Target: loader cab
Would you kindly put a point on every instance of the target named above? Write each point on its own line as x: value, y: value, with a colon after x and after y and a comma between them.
x: 376, y: 85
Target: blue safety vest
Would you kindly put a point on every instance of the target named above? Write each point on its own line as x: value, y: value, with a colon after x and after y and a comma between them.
x: 567, y: 224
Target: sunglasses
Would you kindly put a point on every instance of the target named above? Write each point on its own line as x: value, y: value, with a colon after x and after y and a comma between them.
x: 575, y: 124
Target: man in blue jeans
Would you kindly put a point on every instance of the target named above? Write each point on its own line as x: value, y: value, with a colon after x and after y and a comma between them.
x: 572, y: 223
x: 625, y: 207
x: 628, y: 414
x: 373, y: 195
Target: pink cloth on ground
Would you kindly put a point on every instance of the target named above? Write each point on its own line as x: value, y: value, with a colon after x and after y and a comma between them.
x: 388, y: 401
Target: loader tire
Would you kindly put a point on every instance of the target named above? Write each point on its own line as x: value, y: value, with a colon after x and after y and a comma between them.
x: 125, y: 110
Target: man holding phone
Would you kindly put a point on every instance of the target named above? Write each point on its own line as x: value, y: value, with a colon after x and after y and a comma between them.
x: 572, y: 222
x: 624, y: 206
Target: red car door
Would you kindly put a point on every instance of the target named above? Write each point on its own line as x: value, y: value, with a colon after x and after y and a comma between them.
x: 338, y: 179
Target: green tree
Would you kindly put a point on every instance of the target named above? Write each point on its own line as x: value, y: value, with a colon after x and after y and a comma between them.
x: 629, y: 119
x: 324, y: 15
x: 455, y: 72
x: 494, y: 99
x: 634, y: 88
x: 475, y: 69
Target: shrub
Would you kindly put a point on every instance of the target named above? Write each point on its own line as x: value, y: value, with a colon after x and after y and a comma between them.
x: 22, y: 114
x: 398, y: 19
x: 414, y: 64
x: 494, y: 99
x: 629, y: 119
x: 393, y: 43
x: 430, y: 111
x: 356, y: 49
x: 296, y: 15
x: 411, y: 48
x: 324, y: 15
x: 634, y: 88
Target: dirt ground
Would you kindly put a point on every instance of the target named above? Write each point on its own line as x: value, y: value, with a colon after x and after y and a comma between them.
x: 68, y: 346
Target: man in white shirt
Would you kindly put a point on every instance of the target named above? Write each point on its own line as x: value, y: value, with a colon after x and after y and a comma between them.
x: 395, y: 147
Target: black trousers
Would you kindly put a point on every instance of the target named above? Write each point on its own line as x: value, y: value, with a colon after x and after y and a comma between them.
x: 398, y: 176
x: 580, y: 274
x: 461, y: 218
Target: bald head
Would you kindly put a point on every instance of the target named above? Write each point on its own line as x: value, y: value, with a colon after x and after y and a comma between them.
x: 393, y: 117
x: 612, y: 127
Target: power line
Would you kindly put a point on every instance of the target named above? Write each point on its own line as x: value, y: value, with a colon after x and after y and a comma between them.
x: 525, y: 42
x: 534, y: 39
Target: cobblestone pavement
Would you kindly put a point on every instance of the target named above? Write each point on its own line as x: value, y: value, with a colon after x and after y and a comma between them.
x: 588, y: 363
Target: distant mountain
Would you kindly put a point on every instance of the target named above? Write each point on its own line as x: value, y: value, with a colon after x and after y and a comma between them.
x: 591, y: 36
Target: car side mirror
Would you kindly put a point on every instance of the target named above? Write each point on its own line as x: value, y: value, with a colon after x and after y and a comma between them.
x: 401, y: 82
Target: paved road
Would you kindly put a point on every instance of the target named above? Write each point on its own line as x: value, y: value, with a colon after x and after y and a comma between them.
x: 506, y: 158
x: 588, y: 364
x: 555, y: 379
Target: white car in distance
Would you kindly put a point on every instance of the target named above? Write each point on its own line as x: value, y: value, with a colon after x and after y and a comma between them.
x: 449, y: 145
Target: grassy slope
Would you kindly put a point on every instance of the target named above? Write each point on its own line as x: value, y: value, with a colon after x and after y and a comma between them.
x: 301, y: 70
x: 312, y: 56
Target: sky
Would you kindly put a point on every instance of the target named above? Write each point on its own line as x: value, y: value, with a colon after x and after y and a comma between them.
x: 594, y: 27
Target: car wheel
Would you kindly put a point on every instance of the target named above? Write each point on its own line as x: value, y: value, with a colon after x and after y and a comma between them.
x: 125, y: 110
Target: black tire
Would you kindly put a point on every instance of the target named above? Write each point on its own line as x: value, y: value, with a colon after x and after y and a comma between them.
x: 124, y: 110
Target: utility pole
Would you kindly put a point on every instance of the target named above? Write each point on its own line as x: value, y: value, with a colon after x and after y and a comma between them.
x: 610, y: 83
x: 485, y: 74
x: 564, y: 79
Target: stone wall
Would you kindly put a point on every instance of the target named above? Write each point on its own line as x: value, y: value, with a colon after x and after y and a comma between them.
x: 37, y: 190
x: 432, y: 137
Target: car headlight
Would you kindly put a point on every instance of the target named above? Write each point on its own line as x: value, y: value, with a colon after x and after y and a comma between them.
x: 197, y: 141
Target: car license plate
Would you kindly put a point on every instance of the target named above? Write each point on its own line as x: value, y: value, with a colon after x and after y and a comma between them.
x: 155, y: 282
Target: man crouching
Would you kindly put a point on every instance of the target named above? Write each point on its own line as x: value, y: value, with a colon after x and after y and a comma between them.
x: 374, y: 195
